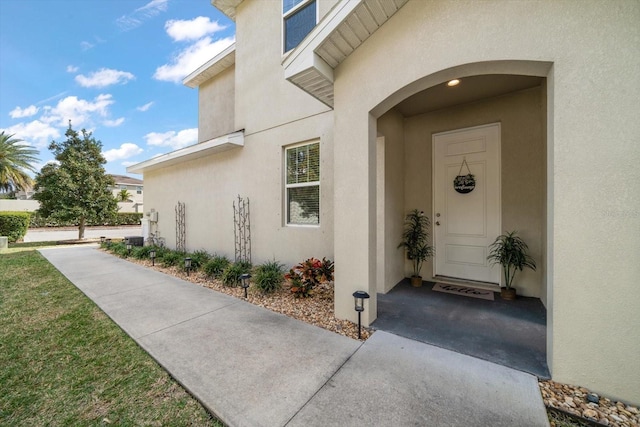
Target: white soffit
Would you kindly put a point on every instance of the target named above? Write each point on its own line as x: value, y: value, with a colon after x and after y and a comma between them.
x: 228, y: 7
x: 212, y: 146
x: 212, y: 68
x: 310, y: 65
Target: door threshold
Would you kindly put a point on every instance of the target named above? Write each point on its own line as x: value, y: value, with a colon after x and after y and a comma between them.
x: 468, y: 283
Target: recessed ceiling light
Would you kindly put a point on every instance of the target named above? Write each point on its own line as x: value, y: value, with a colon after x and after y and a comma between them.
x: 454, y: 82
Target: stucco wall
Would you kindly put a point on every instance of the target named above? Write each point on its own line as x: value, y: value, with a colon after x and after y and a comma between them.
x: 522, y: 158
x: 391, y: 199
x: 216, y: 106
x: 263, y: 97
x: 590, y: 53
x: 209, y: 185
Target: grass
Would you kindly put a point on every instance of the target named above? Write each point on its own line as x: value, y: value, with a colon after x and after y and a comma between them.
x: 64, y: 362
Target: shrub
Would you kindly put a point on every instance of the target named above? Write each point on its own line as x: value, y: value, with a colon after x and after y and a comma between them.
x: 198, y: 259
x: 231, y: 274
x: 172, y: 258
x: 14, y: 225
x: 268, y: 277
x: 142, y: 252
x: 216, y: 265
x: 119, y: 248
x: 309, y: 273
x: 122, y: 218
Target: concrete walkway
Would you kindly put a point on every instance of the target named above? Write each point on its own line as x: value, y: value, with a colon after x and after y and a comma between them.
x: 253, y: 367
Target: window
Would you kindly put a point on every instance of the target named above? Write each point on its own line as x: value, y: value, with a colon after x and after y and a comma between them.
x: 138, y: 190
x: 299, y: 19
x: 303, y: 184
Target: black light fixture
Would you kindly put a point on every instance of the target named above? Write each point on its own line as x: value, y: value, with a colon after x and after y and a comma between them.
x: 245, y: 283
x: 152, y: 255
x: 359, y: 297
x: 102, y: 239
x: 187, y: 265
x: 108, y: 242
x: 128, y: 248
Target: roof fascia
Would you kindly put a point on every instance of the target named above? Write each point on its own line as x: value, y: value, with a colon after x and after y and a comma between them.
x: 228, y: 7
x: 212, y: 146
x: 212, y: 68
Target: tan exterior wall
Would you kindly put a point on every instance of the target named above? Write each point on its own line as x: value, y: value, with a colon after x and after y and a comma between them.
x: 209, y: 185
x: 590, y: 54
x: 133, y: 192
x: 522, y: 159
x: 264, y: 99
x: 391, y: 200
x: 216, y: 106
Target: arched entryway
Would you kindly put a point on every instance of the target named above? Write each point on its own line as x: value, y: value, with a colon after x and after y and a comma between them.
x: 513, y: 97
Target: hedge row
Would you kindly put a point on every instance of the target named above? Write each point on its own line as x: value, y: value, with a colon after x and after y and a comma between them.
x: 14, y: 225
x: 121, y: 218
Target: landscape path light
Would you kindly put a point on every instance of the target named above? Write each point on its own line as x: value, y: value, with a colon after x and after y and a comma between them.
x: 359, y: 297
x: 128, y: 249
x: 187, y: 265
x: 152, y: 255
x: 102, y: 239
x: 245, y: 283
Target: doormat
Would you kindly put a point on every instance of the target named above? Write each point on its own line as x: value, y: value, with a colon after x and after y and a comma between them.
x: 463, y: 290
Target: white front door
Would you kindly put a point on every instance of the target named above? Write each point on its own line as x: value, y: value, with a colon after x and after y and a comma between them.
x: 466, y: 224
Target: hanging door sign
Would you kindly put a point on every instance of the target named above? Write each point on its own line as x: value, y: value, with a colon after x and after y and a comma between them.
x: 464, y: 183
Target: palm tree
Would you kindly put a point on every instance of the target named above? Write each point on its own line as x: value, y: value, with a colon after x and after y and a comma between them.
x: 123, y: 196
x: 15, y: 160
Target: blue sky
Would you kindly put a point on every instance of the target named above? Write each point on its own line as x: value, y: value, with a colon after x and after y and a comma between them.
x: 113, y: 67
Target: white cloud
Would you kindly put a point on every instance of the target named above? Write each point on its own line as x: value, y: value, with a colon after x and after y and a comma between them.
x: 79, y: 111
x: 104, y: 77
x: 128, y: 163
x: 125, y: 151
x: 18, y: 113
x: 36, y: 132
x: 145, y: 107
x: 72, y: 68
x: 114, y: 123
x: 189, y: 59
x: 86, y: 45
x: 141, y: 14
x: 194, y: 29
x: 172, y: 138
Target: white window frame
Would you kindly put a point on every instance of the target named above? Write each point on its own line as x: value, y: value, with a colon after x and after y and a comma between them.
x: 304, y: 184
x: 293, y: 11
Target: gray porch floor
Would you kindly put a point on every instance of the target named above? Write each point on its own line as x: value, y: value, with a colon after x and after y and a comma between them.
x: 510, y: 333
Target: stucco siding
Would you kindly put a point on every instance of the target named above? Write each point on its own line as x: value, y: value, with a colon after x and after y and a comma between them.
x: 216, y: 106
x: 592, y: 51
x: 264, y: 99
x: 209, y: 185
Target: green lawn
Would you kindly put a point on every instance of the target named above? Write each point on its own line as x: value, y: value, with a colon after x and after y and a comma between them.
x: 64, y: 362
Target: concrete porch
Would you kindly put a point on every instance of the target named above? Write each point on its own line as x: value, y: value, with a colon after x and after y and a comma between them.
x: 510, y: 333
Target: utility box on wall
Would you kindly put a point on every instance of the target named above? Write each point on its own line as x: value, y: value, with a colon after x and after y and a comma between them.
x: 153, y: 216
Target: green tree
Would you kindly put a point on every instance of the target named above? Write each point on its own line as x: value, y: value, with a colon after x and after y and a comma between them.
x: 77, y: 187
x: 123, y: 196
x: 15, y: 160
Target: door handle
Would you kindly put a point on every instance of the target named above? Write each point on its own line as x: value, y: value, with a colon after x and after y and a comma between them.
x: 437, y: 222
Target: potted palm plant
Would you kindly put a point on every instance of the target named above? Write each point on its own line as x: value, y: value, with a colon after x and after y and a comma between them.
x: 510, y: 251
x: 415, y: 239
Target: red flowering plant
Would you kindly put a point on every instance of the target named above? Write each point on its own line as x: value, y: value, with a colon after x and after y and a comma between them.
x: 305, y: 276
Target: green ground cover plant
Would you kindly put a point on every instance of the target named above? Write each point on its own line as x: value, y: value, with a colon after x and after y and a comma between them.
x: 64, y: 362
x: 215, y: 266
x: 268, y: 277
x: 231, y: 274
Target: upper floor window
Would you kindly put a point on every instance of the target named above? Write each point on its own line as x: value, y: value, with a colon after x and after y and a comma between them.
x: 300, y: 17
x: 138, y: 190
